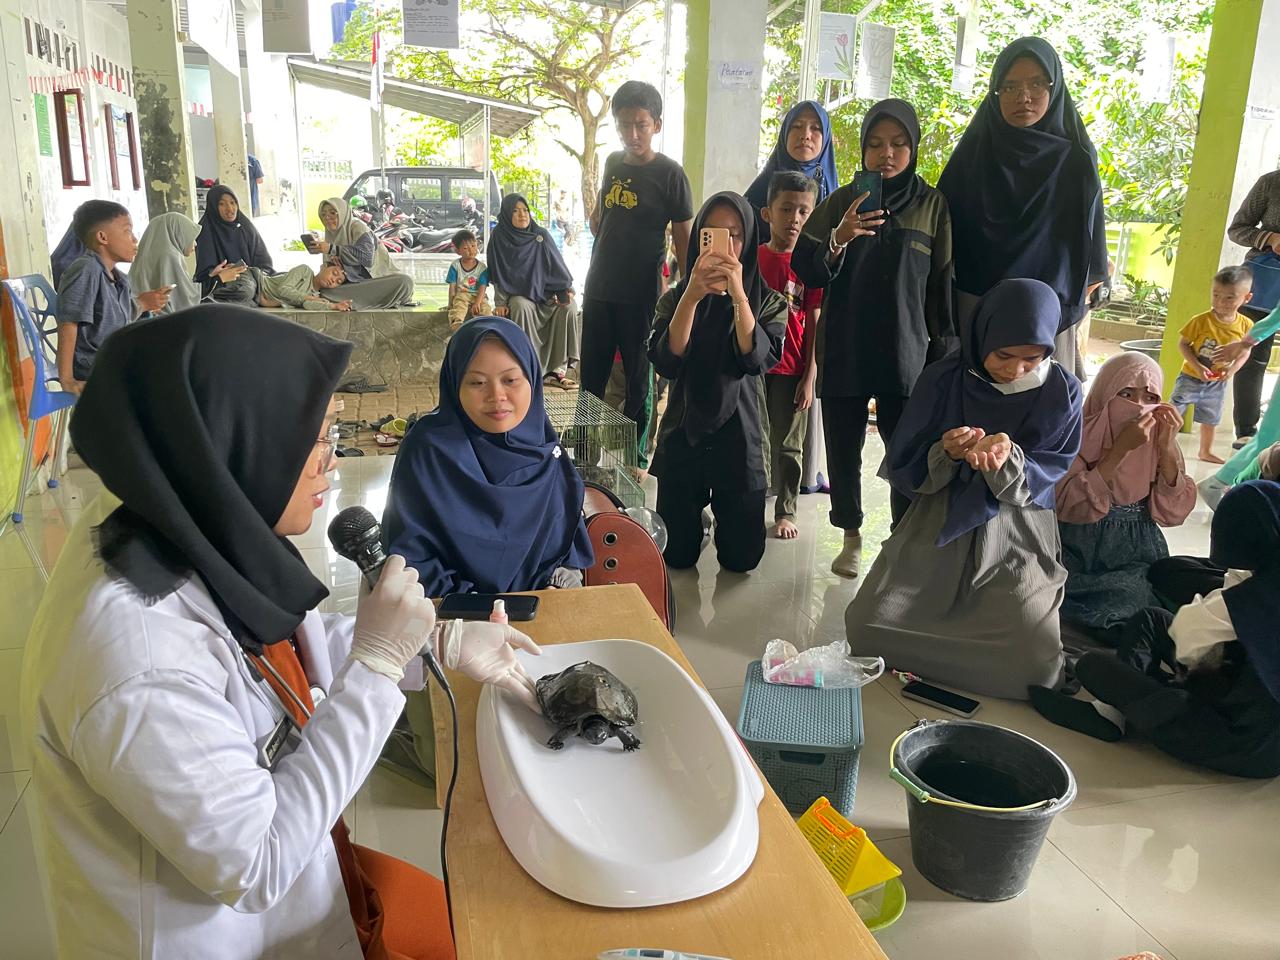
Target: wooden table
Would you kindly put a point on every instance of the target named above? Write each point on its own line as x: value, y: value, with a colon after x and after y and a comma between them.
x: 786, y: 906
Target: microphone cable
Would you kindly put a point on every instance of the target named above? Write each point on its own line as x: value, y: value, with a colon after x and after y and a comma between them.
x: 436, y: 671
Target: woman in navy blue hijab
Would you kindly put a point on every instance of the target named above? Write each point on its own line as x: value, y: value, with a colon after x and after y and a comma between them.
x: 805, y: 144
x: 483, y: 497
x: 967, y: 588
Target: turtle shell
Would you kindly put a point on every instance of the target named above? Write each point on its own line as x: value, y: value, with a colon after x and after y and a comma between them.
x: 586, y: 690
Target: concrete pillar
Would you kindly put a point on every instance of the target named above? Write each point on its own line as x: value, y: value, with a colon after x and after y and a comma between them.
x: 723, y: 71
x: 163, y: 128
x: 1229, y: 155
x: 228, y: 131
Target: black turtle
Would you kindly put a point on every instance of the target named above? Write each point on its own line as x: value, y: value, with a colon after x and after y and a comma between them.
x: 588, y: 700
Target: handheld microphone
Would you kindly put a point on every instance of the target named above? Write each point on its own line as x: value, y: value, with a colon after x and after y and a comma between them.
x: 356, y: 536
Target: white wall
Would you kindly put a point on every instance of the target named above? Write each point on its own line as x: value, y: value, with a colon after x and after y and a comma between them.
x: 102, y: 32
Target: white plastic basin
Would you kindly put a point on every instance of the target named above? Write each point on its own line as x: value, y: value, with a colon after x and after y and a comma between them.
x: 671, y: 821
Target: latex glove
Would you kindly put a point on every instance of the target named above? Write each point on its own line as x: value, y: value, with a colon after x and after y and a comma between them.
x: 393, y: 621
x: 565, y: 578
x: 486, y: 652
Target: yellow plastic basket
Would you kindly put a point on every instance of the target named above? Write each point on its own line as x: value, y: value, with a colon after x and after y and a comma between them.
x: 845, y: 850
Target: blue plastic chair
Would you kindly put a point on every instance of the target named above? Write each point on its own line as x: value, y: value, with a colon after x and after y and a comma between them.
x: 33, y: 297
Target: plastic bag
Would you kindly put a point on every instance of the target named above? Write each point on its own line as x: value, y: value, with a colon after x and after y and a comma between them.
x: 827, y: 666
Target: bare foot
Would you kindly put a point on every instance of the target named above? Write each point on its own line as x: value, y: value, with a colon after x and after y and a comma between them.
x: 1208, y: 456
x: 785, y: 530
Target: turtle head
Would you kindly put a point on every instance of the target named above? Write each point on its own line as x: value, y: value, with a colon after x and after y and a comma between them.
x: 595, y: 730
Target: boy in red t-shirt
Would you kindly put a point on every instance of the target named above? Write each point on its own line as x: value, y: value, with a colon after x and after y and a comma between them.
x: 789, y: 385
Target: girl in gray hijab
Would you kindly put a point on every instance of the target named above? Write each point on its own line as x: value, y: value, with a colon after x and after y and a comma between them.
x: 168, y: 241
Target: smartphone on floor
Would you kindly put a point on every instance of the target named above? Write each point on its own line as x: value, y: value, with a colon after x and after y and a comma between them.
x: 870, y: 182
x: 946, y: 700
x: 478, y: 606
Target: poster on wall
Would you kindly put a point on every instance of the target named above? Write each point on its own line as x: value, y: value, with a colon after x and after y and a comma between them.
x: 75, y: 159
x: 286, y: 26
x: 122, y: 136
x: 875, y: 61
x: 836, y: 35
x: 738, y: 75
x: 431, y: 23
x: 1156, y: 65
x: 965, y: 67
x: 44, y: 134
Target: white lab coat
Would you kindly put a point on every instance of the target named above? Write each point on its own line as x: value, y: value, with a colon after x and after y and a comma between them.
x: 162, y: 834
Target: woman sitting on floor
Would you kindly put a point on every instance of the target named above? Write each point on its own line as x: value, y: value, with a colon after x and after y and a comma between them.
x: 714, y: 335
x: 372, y: 281
x: 1126, y: 483
x: 483, y: 498
x: 300, y: 288
x: 533, y: 288
x: 1204, y: 684
x: 161, y: 260
x: 967, y: 588
x: 228, y: 245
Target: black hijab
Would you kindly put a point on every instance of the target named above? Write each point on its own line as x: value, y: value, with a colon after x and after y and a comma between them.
x: 712, y: 382
x: 901, y: 190
x: 201, y: 423
x: 1246, y: 536
x: 1027, y: 201
x: 219, y: 240
x: 525, y: 263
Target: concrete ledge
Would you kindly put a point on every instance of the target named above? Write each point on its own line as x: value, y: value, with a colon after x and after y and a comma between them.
x: 391, y: 346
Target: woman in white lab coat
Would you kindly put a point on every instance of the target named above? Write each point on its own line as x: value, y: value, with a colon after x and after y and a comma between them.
x: 187, y: 805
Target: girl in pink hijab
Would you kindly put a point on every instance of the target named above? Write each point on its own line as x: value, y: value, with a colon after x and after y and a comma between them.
x: 1127, y: 482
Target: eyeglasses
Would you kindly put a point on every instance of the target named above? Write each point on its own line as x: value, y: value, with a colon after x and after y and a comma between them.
x: 326, y: 447
x: 1035, y: 89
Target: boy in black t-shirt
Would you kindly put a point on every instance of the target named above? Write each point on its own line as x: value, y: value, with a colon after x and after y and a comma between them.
x: 642, y: 191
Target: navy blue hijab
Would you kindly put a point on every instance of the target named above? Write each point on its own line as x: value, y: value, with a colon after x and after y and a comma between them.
x: 525, y: 263
x: 821, y: 169
x: 1027, y: 201
x: 1246, y: 536
x: 67, y: 252
x: 957, y: 391
x: 484, y: 512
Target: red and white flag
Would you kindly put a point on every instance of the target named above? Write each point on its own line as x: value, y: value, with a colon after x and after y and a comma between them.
x: 375, y: 78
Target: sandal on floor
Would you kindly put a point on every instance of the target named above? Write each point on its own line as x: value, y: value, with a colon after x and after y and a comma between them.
x: 385, y: 440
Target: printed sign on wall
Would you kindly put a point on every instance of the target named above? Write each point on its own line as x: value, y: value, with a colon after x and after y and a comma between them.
x: 837, y: 33
x: 431, y: 23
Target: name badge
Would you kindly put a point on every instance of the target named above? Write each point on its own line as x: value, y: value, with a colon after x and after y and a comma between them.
x: 272, y: 747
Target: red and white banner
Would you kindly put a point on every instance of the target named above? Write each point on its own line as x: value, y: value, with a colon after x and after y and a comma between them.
x: 55, y: 83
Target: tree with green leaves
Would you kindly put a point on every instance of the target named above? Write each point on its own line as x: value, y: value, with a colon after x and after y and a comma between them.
x: 554, y: 55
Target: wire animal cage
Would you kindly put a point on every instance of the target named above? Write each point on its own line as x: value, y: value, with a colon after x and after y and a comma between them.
x: 600, y: 440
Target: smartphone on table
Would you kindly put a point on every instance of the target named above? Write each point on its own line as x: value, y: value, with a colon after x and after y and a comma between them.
x: 946, y: 700
x: 870, y: 182
x: 717, y: 240
x: 478, y: 606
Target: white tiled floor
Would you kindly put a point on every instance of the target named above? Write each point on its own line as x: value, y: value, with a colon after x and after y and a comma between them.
x: 1154, y: 855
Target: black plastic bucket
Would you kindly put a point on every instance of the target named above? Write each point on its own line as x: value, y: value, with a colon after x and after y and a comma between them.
x: 981, y: 799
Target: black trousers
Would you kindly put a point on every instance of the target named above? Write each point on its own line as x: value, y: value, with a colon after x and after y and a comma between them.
x: 844, y: 422
x: 1247, y: 387
x: 684, y: 490
x: 1140, y: 668
x: 1178, y: 580
x: 609, y: 327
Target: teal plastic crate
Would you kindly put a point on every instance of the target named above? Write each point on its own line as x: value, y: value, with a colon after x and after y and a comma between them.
x: 806, y: 740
